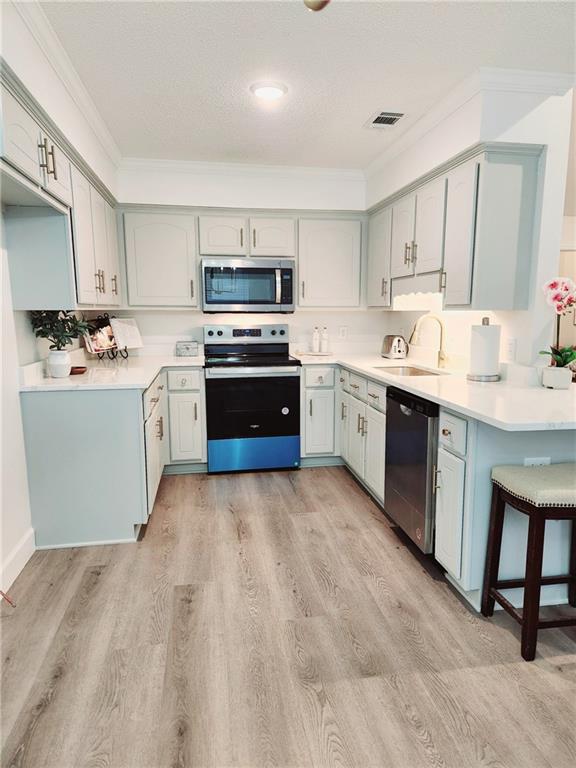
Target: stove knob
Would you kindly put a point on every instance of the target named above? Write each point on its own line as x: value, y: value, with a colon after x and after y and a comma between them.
x: 219, y: 333
x: 273, y: 333
x: 210, y: 333
x: 282, y: 333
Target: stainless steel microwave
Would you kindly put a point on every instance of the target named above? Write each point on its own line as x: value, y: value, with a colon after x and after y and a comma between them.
x: 247, y: 285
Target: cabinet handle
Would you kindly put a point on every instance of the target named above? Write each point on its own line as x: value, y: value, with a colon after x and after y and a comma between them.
x: 303, y: 289
x: 192, y: 289
x: 154, y: 399
x: 44, y: 147
x: 446, y: 432
x: 160, y: 387
x: 254, y: 237
x: 364, y: 426
x: 160, y: 426
x: 103, y: 280
x: 437, y: 472
x: 358, y: 424
x: 182, y: 382
x: 97, y: 277
x: 310, y: 407
x: 343, y: 411
x: 195, y: 411
x: 341, y: 379
x: 114, y: 282
x: 406, y: 253
x: 320, y: 379
x: 413, y: 252
x: 442, y: 280
x: 375, y: 397
x: 355, y: 386
x: 242, y: 237
x: 52, y: 154
x: 382, y: 287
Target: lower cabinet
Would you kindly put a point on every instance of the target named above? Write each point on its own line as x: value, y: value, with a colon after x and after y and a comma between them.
x: 356, y: 442
x: 343, y: 420
x: 451, y: 471
x: 375, y: 438
x: 155, y: 436
x: 319, y: 421
x: 187, y: 420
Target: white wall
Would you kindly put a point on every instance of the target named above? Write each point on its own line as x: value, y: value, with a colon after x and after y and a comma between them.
x: 239, y: 186
x: 16, y: 533
x: 32, y: 50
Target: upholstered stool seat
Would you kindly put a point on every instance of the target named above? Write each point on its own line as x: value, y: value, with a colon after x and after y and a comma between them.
x: 543, y: 493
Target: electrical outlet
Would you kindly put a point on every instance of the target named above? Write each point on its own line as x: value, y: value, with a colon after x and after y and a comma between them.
x: 342, y: 331
x: 510, y: 348
x: 536, y: 461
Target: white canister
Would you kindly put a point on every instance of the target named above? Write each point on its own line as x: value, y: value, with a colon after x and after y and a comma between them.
x: 484, y: 352
x: 59, y: 363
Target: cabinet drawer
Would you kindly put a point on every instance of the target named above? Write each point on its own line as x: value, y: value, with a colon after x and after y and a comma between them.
x: 452, y: 432
x: 358, y: 386
x: 376, y: 395
x: 319, y: 376
x: 152, y: 395
x: 181, y: 380
x: 344, y: 379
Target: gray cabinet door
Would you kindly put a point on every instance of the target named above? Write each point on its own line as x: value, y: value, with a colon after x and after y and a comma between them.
x: 20, y: 138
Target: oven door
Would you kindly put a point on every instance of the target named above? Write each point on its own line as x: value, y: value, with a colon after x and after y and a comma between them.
x: 253, y: 419
x: 247, y: 285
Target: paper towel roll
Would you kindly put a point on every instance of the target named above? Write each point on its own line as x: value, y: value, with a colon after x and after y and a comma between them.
x: 485, y: 352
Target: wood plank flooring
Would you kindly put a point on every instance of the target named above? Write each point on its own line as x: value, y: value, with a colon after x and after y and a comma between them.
x: 270, y: 620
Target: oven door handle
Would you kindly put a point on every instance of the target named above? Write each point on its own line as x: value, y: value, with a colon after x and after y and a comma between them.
x: 252, y: 372
x: 278, y: 286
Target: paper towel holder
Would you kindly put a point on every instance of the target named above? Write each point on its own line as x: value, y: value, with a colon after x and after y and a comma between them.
x: 481, y: 377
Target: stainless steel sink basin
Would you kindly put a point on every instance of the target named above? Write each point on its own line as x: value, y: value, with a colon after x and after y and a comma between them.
x: 406, y: 370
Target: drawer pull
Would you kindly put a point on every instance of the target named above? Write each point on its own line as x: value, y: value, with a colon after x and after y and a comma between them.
x: 154, y: 399
x: 446, y: 432
x: 195, y: 411
x: 341, y: 379
x: 355, y: 386
x: 371, y: 394
x: 182, y: 382
x: 437, y: 485
x: 320, y: 379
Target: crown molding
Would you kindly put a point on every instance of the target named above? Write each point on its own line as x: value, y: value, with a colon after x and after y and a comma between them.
x: 40, y: 28
x: 195, y: 167
x: 485, y: 79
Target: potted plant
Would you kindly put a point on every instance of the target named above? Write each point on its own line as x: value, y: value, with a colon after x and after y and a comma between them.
x: 60, y: 327
x: 560, y: 294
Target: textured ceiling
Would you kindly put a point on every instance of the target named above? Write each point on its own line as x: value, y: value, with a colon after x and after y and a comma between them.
x: 171, y: 78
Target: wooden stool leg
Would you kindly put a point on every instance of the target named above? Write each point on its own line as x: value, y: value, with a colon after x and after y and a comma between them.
x: 572, y: 586
x: 493, y: 550
x: 531, y: 610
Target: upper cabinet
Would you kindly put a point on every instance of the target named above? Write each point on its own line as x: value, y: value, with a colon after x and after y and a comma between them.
x: 57, y: 172
x: 403, y: 221
x: 20, y: 138
x: 329, y: 262
x: 459, y: 239
x: 426, y: 248
x: 379, y: 245
x: 272, y: 237
x: 161, y: 259
x: 223, y: 235
x: 95, y: 245
x: 238, y: 236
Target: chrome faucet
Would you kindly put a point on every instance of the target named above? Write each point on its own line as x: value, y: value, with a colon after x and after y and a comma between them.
x: 415, y: 336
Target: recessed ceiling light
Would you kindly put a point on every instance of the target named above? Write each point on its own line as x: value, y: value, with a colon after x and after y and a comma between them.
x: 269, y: 91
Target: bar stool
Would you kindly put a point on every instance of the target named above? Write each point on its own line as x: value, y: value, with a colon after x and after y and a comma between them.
x: 543, y: 493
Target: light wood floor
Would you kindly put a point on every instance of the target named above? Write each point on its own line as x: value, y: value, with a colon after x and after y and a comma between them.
x: 270, y: 619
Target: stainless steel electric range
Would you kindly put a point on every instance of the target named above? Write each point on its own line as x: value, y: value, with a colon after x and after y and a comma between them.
x: 252, y: 398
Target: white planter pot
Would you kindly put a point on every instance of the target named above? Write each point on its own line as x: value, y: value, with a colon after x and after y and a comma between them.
x: 59, y: 363
x: 556, y: 378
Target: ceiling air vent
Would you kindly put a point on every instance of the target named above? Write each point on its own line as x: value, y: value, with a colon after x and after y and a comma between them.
x: 383, y: 119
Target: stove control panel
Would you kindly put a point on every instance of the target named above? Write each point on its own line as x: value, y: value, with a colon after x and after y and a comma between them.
x: 255, y: 334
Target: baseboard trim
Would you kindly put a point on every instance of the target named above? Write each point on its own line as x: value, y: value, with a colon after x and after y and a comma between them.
x: 309, y: 462
x: 305, y: 463
x: 185, y: 469
x: 74, y: 544
x: 17, y: 559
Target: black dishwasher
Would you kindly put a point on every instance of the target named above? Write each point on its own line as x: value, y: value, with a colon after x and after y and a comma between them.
x: 411, y: 444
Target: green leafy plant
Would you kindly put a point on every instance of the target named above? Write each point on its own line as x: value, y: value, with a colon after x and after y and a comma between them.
x: 562, y: 356
x: 59, y: 326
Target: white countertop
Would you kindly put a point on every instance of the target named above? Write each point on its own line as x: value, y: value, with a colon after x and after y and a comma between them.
x: 501, y: 404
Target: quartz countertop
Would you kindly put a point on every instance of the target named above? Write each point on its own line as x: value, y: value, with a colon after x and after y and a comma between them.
x: 502, y: 404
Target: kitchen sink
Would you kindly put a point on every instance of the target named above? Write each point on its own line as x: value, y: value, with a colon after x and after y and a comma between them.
x: 406, y: 370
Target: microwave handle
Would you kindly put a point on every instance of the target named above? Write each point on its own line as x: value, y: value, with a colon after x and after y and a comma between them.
x: 278, y: 286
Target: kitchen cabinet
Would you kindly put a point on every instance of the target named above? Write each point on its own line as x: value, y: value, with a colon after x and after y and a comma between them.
x: 112, y: 281
x: 155, y: 403
x: 272, y: 236
x: 223, y: 235
x: 329, y: 262
x: 343, y: 417
x: 375, y: 448
x: 161, y: 259
x: 379, y: 248
x: 356, y: 441
x: 57, y: 178
x: 459, y: 238
x: 87, y: 278
x: 100, y: 235
x: 319, y: 421
x: 186, y: 439
x: 20, y: 138
x: 449, y: 511
x: 403, y: 220
x: 427, y: 248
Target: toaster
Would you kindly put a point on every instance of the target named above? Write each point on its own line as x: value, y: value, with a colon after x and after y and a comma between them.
x: 394, y: 347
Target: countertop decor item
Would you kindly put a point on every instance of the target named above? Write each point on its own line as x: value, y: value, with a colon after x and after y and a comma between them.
x: 61, y: 327
x: 561, y: 294
x: 394, y: 347
x: 78, y: 370
x: 484, y: 352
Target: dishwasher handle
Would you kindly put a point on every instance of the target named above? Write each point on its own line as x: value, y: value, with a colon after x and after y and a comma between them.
x: 405, y: 410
